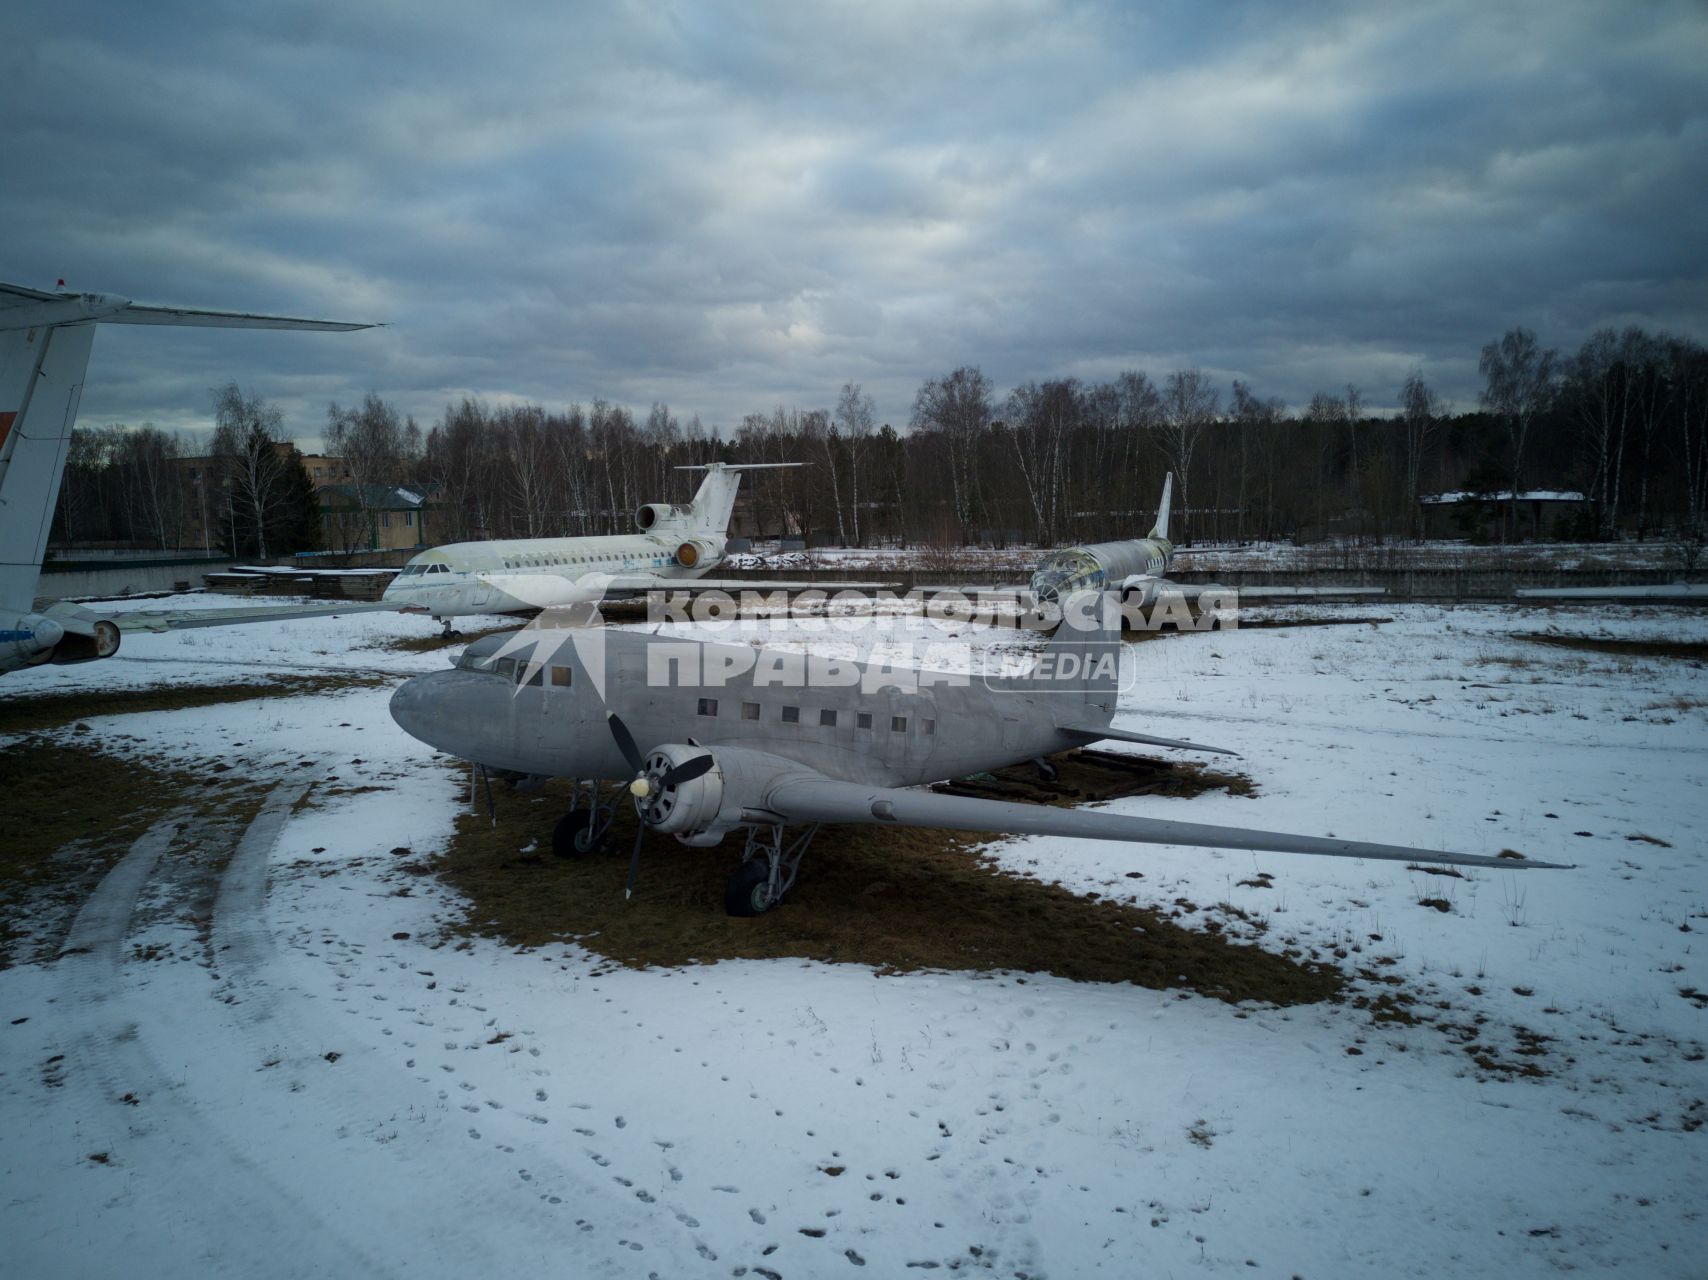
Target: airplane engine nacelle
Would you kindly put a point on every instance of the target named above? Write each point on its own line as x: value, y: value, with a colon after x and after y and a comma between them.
x: 1142, y: 589
x: 102, y: 642
x: 703, y: 810
x: 653, y: 514
x: 692, y: 553
x: 69, y: 634
x: 692, y: 806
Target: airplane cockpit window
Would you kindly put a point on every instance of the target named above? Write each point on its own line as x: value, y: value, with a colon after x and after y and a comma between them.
x: 1066, y: 572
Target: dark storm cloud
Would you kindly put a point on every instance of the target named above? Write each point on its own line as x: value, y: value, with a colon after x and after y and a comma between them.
x: 731, y: 211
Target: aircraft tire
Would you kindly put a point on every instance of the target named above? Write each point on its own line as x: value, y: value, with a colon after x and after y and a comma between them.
x: 745, y: 893
x: 569, y: 837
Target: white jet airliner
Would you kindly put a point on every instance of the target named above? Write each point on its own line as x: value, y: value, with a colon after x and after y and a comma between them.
x: 676, y: 546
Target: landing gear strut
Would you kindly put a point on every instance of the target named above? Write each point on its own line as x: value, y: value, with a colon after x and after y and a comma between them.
x: 583, y: 829
x: 450, y: 632
x: 767, y: 871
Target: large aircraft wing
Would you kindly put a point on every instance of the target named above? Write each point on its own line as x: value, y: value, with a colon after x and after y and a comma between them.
x: 190, y: 619
x: 636, y: 582
x: 807, y: 797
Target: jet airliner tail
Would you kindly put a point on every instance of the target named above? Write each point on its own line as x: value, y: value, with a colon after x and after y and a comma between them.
x: 1160, y: 529
x: 714, y: 500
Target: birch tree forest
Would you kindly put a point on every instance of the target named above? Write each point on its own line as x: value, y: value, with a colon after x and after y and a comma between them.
x: 1624, y: 420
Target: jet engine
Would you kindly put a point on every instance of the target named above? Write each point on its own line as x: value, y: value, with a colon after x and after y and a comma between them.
x: 102, y: 641
x: 695, y: 552
x: 655, y: 514
x: 67, y: 633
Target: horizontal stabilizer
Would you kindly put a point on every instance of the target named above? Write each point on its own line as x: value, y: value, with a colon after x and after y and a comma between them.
x: 807, y: 797
x: 136, y: 313
x: 741, y: 466
x: 1097, y: 733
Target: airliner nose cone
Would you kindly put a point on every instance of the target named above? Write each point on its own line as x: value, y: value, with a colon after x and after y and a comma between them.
x: 407, y: 707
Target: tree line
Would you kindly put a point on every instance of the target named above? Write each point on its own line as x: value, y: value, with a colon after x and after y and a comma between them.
x: 1623, y: 420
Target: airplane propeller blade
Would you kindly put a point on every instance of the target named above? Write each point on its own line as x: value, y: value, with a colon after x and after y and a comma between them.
x: 626, y: 742
x: 687, y: 771
x: 634, y: 861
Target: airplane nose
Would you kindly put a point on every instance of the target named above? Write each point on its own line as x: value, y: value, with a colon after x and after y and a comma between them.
x: 407, y: 708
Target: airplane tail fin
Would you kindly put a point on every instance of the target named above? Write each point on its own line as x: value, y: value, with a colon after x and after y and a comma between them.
x: 1160, y: 529
x: 714, y: 500
x: 1082, y: 661
x: 41, y: 381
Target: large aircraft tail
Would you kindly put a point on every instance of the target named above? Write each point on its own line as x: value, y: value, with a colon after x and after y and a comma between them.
x: 1082, y: 661
x: 1159, y: 530
x: 45, y: 339
x: 714, y: 500
x: 41, y: 380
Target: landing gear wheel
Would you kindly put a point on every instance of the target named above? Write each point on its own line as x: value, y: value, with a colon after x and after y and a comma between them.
x: 570, y: 836
x: 748, y: 891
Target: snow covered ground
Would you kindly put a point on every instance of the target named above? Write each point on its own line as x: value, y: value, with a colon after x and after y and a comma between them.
x: 309, y: 1083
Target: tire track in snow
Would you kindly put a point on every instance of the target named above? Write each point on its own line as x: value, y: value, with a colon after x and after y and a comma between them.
x: 511, y: 1183
x: 183, y: 1159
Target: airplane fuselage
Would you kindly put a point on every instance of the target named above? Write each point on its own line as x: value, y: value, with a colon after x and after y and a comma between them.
x: 527, y: 574
x: 1135, y: 566
x: 541, y: 710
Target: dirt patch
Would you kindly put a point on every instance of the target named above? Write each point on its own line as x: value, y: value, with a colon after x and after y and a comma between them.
x: 439, y: 640
x: 32, y: 713
x: 1679, y: 650
x: 896, y: 899
x: 1090, y: 774
x: 1252, y: 624
x: 71, y: 812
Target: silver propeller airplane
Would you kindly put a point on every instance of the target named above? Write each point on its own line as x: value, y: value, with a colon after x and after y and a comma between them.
x: 756, y: 741
x: 45, y: 340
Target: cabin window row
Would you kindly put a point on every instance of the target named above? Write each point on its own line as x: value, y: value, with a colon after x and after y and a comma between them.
x: 827, y: 717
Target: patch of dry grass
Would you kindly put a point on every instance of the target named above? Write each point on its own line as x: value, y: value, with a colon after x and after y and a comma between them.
x: 71, y: 812
x: 895, y: 899
x: 32, y: 713
x: 1654, y: 647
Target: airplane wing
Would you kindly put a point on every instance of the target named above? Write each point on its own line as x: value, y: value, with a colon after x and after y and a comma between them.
x: 636, y: 582
x: 1099, y: 733
x: 807, y: 797
x: 189, y: 619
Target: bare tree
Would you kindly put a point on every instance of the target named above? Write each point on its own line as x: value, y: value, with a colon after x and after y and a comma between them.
x: 853, y: 423
x: 958, y: 408
x: 1519, y: 381
x: 1420, y: 411
x: 246, y: 438
x: 374, y: 444
x: 1189, y: 404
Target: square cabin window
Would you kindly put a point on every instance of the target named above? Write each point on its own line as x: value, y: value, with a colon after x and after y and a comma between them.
x: 863, y: 720
x: 537, y: 679
x: 827, y: 718
x: 930, y: 726
x: 750, y: 711
x: 791, y: 715
x: 898, y: 724
x: 708, y: 706
x: 561, y: 677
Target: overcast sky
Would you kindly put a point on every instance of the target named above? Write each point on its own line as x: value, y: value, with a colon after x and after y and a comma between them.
x: 729, y: 209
